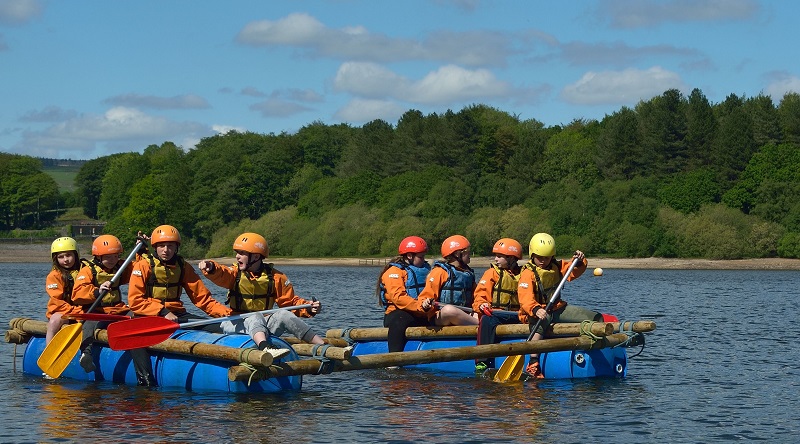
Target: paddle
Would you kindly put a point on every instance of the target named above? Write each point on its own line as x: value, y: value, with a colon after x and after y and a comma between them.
x: 151, y: 330
x: 511, y: 369
x: 57, y: 355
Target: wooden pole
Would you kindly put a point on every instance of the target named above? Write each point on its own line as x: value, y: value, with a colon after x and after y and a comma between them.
x: 503, y: 331
x: 175, y: 346
x: 379, y: 360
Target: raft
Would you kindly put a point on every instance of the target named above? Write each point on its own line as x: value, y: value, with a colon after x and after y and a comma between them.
x: 604, y: 362
x: 597, y: 356
x: 184, y: 371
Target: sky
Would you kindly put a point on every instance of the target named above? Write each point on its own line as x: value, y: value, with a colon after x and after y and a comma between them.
x: 82, y: 79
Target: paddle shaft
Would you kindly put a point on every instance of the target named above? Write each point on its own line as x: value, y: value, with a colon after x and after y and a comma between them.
x: 117, y: 276
x: 240, y: 316
x: 554, y: 298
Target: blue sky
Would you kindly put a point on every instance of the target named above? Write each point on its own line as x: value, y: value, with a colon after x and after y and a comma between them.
x: 82, y: 79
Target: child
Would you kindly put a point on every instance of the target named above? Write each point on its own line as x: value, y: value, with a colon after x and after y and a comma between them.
x: 94, y: 281
x: 497, y: 289
x: 255, y: 286
x: 451, y: 282
x: 537, y: 283
x: 158, y: 278
x: 60, y: 283
x: 399, y: 285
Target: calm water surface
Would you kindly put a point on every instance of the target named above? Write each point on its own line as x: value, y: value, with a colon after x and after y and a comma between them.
x: 722, y: 366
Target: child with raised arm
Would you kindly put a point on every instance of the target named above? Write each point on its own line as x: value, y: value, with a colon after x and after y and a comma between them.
x: 254, y: 285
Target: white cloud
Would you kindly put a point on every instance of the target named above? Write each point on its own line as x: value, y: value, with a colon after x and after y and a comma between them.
x: 452, y: 83
x: 304, y: 32
x: 224, y: 129
x: 184, y: 101
x: 125, y: 128
x: 369, y: 80
x: 444, y: 86
x: 644, y: 13
x: 359, y: 111
x: 49, y: 114
x: 782, y: 85
x: 294, y: 29
x: 621, y: 87
x: 19, y: 11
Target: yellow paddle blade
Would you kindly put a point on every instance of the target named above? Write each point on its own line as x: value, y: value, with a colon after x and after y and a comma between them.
x: 59, y: 352
x: 511, y: 369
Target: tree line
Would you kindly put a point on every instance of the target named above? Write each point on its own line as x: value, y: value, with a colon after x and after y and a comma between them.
x: 674, y: 176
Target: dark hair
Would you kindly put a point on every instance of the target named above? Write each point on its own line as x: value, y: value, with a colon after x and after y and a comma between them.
x: 397, y: 260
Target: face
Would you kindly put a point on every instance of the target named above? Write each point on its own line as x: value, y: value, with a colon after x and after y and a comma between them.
x: 166, y: 250
x: 417, y: 260
x: 109, y: 260
x: 242, y: 258
x: 464, y: 255
x: 66, y: 259
x: 541, y: 261
x: 504, y: 261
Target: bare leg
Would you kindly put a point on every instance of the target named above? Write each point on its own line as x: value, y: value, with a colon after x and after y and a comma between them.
x: 450, y: 315
x: 53, y: 326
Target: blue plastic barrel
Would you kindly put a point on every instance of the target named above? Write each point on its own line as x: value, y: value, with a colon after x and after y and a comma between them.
x: 171, y: 370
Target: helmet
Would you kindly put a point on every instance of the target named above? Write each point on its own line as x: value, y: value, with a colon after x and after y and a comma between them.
x: 454, y: 243
x: 508, y: 247
x: 412, y: 244
x: 251, y: 243
x: 63, y: 244
x: 165, y: 233
x: 542, y: 244
x: 106, y: 244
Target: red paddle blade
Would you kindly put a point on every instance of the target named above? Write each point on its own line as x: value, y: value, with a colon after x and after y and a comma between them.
x: 97, y: 317
x: 140, y: 332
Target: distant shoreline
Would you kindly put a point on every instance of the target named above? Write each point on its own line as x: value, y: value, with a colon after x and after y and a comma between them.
x: 39, y: 253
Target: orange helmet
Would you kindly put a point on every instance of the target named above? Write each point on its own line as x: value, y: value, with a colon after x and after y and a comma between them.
x: 412, y: 244
x: 106, y: 244
x: 251, y: 243
x: 454, y: 243
x: 508, y: 247
x: 165, y: 233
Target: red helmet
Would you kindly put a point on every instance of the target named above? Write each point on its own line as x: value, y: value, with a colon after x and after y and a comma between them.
x: 508, y: 247
x: 412, y: 244
x: 453, y: 244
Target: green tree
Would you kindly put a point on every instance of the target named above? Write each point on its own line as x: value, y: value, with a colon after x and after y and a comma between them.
x: 789, y: 117
x: 619, y: 149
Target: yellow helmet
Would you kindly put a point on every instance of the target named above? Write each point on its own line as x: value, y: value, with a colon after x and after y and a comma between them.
x: 63, y: 244
x: 542, y: 244
x: 251, y: 243
x: 165, y: 233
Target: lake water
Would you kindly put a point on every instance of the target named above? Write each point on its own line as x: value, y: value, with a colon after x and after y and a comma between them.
x: 719, y: 367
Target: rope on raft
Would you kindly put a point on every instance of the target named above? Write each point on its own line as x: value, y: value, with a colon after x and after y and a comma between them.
x: 325, y: 364
x: 634, y: 338
x: 586, y: 330
x: 254, y: 371
x: 346, y: 335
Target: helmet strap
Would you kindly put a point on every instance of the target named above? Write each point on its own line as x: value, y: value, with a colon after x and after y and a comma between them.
x: 251, y: 261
